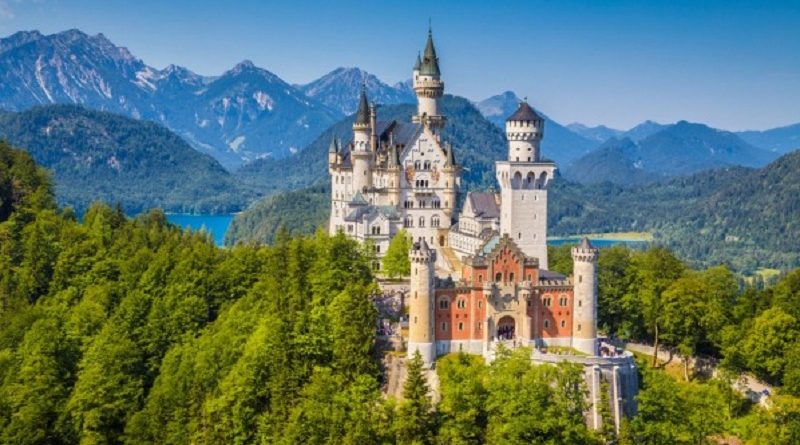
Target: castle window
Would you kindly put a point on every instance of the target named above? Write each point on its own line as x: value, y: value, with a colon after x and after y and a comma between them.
x: 563, y: 323
x: 480, y: 304
x: 377, y: 248
x: 422, y: 221
x: 546, y: 302
x: 580, y: 278
x: 443, y: 304
x: 579, y: 328
x: 546, y: 323
x: 460, y: 326
x: 498, y: 277
x: 511, y: 277
x: 444, y: 326
x: 480, y: 278
x: 562, y: 301
x: 409, y: 222
x: 435, y: 221
x: 461, y: 303
x: 579, y: 303
x: 478, y: 325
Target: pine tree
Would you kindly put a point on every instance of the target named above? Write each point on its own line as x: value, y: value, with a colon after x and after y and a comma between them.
x: 414, y: 424
x: 396, y: 262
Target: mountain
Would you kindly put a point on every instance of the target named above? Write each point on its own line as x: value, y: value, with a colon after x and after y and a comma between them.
x: 559, y: 143
x: 643, y: 130
x: 617, y: 161
x: 680, y: 149
x: 600, y: 133
x: 97, y: 155
x: 244, y: 114
x: 478, y: 144
x: 339, y: 90
x: 780, y: 140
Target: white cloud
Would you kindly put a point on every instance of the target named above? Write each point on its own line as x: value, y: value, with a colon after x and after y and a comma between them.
x: 7, y: 9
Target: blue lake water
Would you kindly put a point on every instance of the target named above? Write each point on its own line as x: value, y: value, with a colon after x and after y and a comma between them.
x: 216, y: 225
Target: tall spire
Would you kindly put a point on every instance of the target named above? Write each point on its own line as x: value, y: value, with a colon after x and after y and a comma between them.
x: 430, y: 63
x: 451, y: 157
x: 334, y: 147
x: 362, y: 115
x: 418, y: 63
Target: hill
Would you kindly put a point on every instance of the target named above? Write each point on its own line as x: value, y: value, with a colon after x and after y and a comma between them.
x: 478, y: 144
x: 780, y: 140
x: 747, y: 218
x: 244, y: 114
x: 559, y: 143
x: 599, y: 134
x: 339, y: 90
x: 679, y: 149
x: 96, y: 155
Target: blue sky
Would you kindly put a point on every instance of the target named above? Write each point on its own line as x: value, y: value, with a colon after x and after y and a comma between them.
x: 731, y: 64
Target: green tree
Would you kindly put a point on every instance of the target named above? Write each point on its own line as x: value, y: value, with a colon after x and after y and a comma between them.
x: 462, y: 407
x: 396, y: 262
x: 414, y: 423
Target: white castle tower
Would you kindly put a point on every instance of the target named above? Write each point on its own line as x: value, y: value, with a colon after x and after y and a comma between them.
x: 361, y: 154
x: 584, y: 323
x: 420, y: 307
x: 428, y: 86
x: 523, y: 182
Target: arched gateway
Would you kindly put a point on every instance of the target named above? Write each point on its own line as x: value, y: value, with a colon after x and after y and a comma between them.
x: 506, y: 328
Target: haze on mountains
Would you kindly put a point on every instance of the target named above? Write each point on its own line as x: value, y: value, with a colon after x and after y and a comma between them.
x: 100, y: 156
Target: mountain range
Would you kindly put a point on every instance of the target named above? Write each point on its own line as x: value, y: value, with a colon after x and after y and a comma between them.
x: 101, y: 156
x: 339, y: 90
x: 676, y: 150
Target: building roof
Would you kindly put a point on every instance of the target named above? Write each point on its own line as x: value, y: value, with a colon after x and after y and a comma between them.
x: 418, y: 63
x: 361, y: 212
x: 484, y: 204
x: 585, y: 244
x: 362, y: 115
x: 524, y: 113
x: 358, y: 199
x: 430, y: 63
x: 334, y: 147
x: 451, y: 157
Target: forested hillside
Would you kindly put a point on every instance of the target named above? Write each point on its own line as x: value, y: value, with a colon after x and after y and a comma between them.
x: 130, y: 331
x: 96, y: 155
x: 746, y: 218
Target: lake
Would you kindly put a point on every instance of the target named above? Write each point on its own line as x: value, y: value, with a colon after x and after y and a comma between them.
x: 598, y: 242
x: 216, y: 225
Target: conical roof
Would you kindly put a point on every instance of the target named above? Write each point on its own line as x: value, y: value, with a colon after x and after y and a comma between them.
x: 451, y: 156
x: 362, y: 115
x: 423, y: 246
x: 394, y: 157
x: 585, y: 244
x: 418, y: 63
x: 524, y: 113
x: 430, y: 63
x: 334, y: 147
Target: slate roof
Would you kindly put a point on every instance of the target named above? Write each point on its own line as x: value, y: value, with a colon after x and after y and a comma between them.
x: 360, y: 212
x: 524, y: 113
x: 362, y: 115
x: 484, y: 204
x: 430, y: 63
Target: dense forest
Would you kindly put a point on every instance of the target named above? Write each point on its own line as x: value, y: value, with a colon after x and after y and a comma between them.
x: 96, y: 155
x: 131, y: 331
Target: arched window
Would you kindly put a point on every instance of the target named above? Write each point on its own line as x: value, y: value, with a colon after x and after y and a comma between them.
x: 443, y: 303
x: 444, y: 326
x: 460, y: 326
x: 409, y: 222
x: 435, y: 221
x: 511, y: 277
x: 462, y: 303
x: 421, y: 221
x: 563, y: 323
x: 498, y: 277
x: 546, y: 324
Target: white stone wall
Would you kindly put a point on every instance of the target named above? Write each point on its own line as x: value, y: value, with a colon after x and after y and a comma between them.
x: 584, y: 319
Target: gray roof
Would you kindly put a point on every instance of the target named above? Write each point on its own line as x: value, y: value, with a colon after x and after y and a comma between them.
x: 451, y: 156
x: 484, y: 204
x: 418, y: 63
x: 430, y: 63
x: 358, y: 199
x: 334, y: 147
x: 362, y: 211
x: 362, y: 115
x: 524, y: 113
x: 585, y: 244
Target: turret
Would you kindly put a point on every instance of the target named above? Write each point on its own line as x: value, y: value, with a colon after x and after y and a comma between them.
x: 524, y: 179
x: 333, y: 152
x: 361, y: 153
x: 428, y: 86
x: 420, y: 308
x: 524, y: 131
x: 584, y: 320
x: 394, y: 172
x: 451, y: 173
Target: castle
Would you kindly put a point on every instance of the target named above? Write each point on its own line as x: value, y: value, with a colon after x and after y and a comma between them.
x: 396, y: 175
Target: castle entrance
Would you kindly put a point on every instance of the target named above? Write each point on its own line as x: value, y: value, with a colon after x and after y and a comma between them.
x: 505, y: 328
